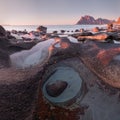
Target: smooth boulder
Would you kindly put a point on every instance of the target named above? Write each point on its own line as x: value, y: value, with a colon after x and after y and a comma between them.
x: 56, y: 88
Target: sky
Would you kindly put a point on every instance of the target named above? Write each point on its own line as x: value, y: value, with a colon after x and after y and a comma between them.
x: 55, y: 12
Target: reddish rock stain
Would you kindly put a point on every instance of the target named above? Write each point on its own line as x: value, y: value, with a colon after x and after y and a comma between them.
x: 46, y: 111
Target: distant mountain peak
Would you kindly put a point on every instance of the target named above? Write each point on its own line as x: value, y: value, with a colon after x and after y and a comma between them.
x: 87, y: 19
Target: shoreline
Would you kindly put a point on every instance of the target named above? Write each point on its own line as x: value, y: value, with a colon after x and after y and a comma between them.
x: 51, y: 28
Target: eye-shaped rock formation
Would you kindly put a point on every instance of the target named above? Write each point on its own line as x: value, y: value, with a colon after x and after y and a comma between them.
x: 68, y: 80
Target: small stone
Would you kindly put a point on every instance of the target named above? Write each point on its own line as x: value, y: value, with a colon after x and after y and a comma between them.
x: 42, y: 29
x: 56, y: 88
x: 96, y: 29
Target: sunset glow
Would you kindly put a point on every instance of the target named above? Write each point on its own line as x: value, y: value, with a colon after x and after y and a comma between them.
x: 46, y: 12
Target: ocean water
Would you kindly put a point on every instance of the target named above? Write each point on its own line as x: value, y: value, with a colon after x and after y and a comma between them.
x: 51, y: 28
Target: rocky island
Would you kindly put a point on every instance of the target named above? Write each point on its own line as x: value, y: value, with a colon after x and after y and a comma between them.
x: 85, y: 20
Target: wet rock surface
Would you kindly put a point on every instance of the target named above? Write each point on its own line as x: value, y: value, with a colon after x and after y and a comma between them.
x: 6, y: 45
x: 101, y: 35
x: 24, y: 103
x: 98, y: 64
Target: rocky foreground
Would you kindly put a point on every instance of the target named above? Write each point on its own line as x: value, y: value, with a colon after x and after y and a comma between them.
x: 78, y: 81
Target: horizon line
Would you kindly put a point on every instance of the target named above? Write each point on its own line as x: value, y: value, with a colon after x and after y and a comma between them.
x: 33, y: 24
x: 53, y: 24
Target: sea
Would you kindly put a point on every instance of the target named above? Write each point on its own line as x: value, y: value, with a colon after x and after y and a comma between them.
x: 51, y: 28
